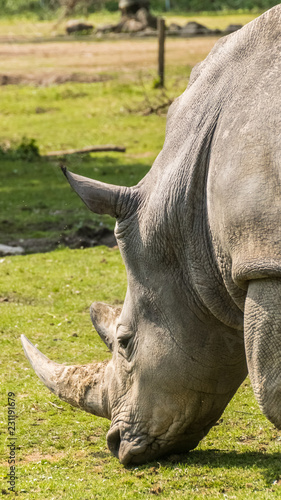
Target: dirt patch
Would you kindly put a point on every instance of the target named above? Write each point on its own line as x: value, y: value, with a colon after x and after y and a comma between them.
x: 84, y: 237
x: 38, y: 457
x: 58, y: 62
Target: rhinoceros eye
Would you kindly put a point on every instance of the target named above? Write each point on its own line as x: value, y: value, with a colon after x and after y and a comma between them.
x: 124, y: 342
x: 124, y: 337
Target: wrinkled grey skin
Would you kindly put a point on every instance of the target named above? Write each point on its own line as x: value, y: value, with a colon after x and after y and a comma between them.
x: 200, y: 238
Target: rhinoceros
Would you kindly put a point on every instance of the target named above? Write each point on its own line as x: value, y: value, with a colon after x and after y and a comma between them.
x: 200, y: 236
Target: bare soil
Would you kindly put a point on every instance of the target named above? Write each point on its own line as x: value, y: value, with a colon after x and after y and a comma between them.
x: 84, y: 237
x: 58, y: 62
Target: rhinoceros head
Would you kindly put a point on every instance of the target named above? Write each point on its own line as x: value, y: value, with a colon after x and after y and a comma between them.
x: 157, y: 390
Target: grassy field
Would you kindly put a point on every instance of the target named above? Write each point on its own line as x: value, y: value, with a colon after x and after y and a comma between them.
x: 115, y: 108
x: 61, y: 452
x: 35, y: 198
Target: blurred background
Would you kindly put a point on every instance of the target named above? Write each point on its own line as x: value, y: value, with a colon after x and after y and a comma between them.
x: 78, y: 74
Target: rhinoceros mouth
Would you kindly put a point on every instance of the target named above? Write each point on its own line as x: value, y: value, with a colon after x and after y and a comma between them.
x: 126, y: 451
x: 146, y: 449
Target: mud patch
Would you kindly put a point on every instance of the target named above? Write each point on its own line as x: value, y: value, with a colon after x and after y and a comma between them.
x: 84, y: 237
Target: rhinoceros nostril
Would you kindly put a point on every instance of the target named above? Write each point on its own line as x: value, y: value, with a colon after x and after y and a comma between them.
x: 113, y: 441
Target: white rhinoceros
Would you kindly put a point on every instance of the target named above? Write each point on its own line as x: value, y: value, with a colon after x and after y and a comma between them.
x: 200, y: 236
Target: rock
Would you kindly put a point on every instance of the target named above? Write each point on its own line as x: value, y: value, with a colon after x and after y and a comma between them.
x: 105, y: 28
x: 143, y: 23
x: 131, y: 25
x: 194, y: 29
x: 148, y: 32
x: 174, y: 27
x: 77, y: 26
x: 216, y: 31
x: 233, y: 27
x: 174, y: 30
x: 8, y: 250
x: 147, y: 19
x: 130, y: 7
x: 131, y: 22
x: 141, y: 20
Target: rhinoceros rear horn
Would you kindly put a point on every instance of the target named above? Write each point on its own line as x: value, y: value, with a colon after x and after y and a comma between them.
x: 82, y: 386
x: 104, y: 318
x: 99, y: 197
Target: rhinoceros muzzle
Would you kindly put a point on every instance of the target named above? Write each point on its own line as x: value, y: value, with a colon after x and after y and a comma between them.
x: 129, y: 451
x: 140, y: 449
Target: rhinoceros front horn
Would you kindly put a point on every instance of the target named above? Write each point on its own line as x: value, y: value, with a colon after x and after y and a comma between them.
x: 82, y: 386
x: 99, y: 197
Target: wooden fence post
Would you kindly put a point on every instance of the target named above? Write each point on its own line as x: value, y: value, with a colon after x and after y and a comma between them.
x: 161, y: 50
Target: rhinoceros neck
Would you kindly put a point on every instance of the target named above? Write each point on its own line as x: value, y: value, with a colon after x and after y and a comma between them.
x: 173, y: 223
x: 173, y: 217
x: 171, y: 261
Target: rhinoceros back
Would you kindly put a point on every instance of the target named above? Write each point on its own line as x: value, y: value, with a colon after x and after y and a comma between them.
x: 244, y: 188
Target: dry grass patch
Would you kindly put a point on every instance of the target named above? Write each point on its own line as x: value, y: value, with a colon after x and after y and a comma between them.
x: 50, y: 61
x: 37, y: 456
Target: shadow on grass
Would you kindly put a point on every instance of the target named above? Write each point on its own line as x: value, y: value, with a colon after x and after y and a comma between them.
x: 267, y: 463
x: 36, y: 200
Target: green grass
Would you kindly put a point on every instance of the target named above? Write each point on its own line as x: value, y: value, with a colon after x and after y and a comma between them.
x: 73, y: 115
x: 61, y: 451
x: 35, y: 198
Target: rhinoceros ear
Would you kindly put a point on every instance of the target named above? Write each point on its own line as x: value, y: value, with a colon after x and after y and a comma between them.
x: 99, y: 197
x: 104, y: 318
